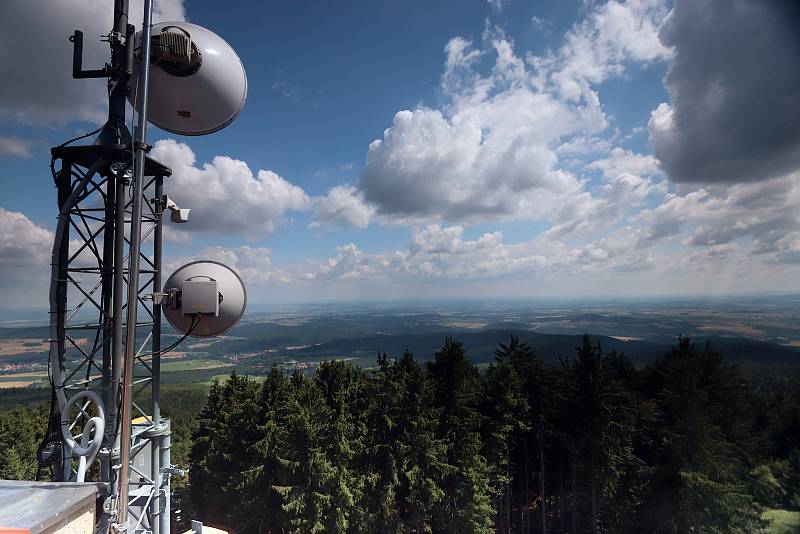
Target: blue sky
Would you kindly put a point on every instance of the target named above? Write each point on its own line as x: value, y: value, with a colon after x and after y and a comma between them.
x: 404, y: 149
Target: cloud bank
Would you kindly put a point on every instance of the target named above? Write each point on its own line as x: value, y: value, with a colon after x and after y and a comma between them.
x: 494, y: 151
x: 524, y: 139
x: 733, y: 85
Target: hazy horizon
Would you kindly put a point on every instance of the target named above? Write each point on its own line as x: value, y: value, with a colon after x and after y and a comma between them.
x: 21, y: 317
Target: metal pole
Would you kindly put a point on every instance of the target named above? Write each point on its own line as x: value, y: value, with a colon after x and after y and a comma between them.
x: 116, y: 131
x: 116, y: 121
x: 166, y: 444
x: 133, y: 268
x: 117, y: 355
x: 158, y: 240
x: 108, y: 317
x: 155, y: 364
x: 64, y: 189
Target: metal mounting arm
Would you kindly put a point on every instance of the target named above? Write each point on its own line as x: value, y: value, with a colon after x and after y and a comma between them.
x: 77, y: 59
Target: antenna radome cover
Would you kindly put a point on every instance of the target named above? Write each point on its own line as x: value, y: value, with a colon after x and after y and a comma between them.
x: 232, y: 301
x: 200, y: 102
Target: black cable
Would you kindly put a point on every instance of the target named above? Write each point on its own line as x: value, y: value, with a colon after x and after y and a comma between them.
x: 52, y: 433
x: 195, y: 323
x: 181, y: 340
x: 51, y: 440
x: 65, y: 143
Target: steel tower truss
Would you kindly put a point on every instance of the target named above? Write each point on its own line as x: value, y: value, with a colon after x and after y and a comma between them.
x: 88, y: 294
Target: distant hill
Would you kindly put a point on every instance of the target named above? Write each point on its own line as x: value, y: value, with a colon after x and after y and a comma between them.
x: 480, y: 346
x: 25, y: 332
x: 325, y: 338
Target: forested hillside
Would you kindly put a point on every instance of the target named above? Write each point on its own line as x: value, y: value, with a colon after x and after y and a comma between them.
x: 592, y: 445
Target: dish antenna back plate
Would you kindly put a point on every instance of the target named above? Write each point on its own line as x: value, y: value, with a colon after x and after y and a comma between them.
x: 190, y: 284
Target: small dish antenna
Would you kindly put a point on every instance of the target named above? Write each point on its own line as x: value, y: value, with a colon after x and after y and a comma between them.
x: 197, y: 81
x: 204, y: 298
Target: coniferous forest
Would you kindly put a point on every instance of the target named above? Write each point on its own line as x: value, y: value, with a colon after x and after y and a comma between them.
x: 687, y: 443
x: 594, y: 444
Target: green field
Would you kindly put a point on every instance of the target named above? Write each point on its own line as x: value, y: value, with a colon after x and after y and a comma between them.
x: 782, y: 521
x: 34, y: 375
x: 191, y: 365
x: 21, y: 380
x: 174, y: 371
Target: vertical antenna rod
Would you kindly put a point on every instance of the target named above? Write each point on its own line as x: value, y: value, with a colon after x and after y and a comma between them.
x: 156, y: 508
x: 139, y: 146
x: 115, y: 132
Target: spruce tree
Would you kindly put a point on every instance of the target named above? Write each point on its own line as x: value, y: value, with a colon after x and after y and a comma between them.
x: 260, y: 509
x: 604, y: 429
x: 506, y: 418
x: 626, y: 474
x: 306, y: 490
x: 697, y: 482
x: 379, y: 505
x: 529, y: 437
x: 344, y: 389
x: 241, y: 429
x: 466, y: 506
x: 21, y: 432
x: 203, y: 482
x: 420, y: 455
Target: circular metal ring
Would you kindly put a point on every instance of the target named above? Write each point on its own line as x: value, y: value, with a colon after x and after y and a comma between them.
x: 89, y: 445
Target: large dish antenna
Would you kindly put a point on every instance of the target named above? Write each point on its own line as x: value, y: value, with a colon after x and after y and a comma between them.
x: 205, y: 298
x: 197, y: 81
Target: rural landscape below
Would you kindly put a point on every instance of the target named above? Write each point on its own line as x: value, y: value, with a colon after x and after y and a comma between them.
x: 749, y: 346
x: 752, y: 331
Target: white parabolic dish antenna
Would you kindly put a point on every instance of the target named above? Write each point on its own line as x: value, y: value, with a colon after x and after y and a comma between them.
x: 200, y: 95
x: 207, y: 298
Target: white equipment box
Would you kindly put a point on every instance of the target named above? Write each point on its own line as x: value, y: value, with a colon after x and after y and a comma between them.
x: 200, y: 296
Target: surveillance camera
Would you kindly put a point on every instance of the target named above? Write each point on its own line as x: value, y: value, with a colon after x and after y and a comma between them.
x: 177, y: 215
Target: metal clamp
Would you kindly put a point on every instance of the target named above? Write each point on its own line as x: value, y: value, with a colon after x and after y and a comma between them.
x: 173, y: 471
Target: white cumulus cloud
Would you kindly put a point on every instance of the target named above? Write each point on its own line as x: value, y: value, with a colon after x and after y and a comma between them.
x: 16, y: 146
x: 225, y: 195
x: 762, y: 216
x: 612, y: 36
x: 23, y: 243
x: 342, y: 205
x: 492, y: 152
